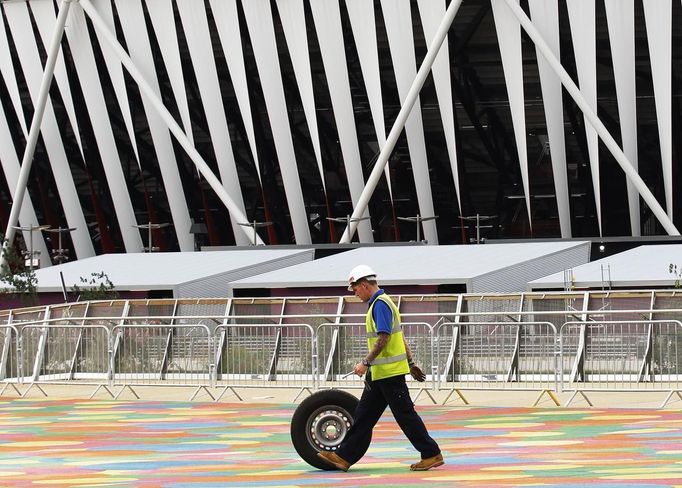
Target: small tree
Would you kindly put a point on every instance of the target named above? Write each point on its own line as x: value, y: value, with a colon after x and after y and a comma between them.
x: 677, y: 272
x: 97, y: 287
x: 17, y: 280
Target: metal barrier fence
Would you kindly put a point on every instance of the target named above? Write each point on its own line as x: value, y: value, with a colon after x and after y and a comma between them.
x: 342, y: 345
x: 62, y: 353
x: 169, y: 355
x: 633, y: 355
x: 265, y: 355
x: 456, y: 351
x: 495, y: 355
x: 9, y: 354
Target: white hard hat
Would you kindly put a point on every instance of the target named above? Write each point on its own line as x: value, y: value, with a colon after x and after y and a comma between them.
x: 360, y: 271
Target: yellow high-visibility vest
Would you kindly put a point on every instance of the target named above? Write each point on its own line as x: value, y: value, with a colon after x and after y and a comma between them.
x: 392, y: 360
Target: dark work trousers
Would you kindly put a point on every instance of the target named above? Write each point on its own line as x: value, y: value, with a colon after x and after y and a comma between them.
x: 375, y: 397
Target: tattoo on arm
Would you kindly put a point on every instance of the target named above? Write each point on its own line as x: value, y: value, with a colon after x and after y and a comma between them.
x: 379, y: 345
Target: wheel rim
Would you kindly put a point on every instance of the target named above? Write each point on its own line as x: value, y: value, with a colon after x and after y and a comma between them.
x: 327, y: 427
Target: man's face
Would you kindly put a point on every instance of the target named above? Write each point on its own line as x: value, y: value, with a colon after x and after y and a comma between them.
x: 362, y: 290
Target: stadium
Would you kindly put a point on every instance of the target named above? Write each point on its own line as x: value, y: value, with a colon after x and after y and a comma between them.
x: 187, y: 184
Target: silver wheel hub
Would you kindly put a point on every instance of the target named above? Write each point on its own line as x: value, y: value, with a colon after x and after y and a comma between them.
x: 328, y: 426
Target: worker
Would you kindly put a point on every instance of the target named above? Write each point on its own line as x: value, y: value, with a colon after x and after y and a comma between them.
x: 388, y: 360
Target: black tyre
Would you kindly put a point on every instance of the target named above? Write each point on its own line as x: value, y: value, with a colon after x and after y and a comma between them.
x: 320, y: 423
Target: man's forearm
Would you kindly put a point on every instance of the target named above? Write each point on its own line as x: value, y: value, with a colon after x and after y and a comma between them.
x: 379, y: 345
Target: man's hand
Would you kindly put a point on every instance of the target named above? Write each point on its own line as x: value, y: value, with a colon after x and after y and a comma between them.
x: 360, y: 369
x: 417, y: 373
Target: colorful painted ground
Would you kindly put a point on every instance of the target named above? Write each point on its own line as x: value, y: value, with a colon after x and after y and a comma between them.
x: 125, y: 443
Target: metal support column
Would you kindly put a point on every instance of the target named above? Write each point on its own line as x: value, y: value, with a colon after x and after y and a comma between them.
x: 400, y: 120
x: 34, y: 132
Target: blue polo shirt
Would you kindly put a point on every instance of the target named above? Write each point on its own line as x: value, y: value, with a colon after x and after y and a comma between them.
x: 381, y: 313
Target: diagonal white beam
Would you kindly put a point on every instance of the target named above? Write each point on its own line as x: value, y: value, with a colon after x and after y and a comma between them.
x: 115, y: 71
x: 292, y: 16
x: 398, y: 21
x: 431, y: 12
x: 400, y: 120
x: 65, y: 185
x: 658, y: 15
x: 136, y: 34
x: 156, y: 102
x: 258, y: 15
x: 545, y: 15
x: 227, y: 24
x: 606, y: 137
x: 7, y: 71
x: 11, y: 169
x: 195, y: 24
x: 582, y: 17
x: 86, y: 70
x: 43, y: 13
x: 327, y: 17
x: 363, y: 25
x: 509, y: 41
x: 163, y: 22
x: 620, y: 18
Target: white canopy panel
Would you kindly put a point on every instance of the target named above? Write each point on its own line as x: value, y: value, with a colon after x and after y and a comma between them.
x: 188, y: 274
x: 482, y: 268
x: 642, y: 267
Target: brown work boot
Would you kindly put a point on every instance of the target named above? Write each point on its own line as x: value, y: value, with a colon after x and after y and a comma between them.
x: 336, y: 460
x: 428, y: 463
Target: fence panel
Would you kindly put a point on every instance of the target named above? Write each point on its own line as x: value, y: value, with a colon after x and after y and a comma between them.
x: 9, y: 352
x: 342, y: 346
x: 64, y: 352
x: 265, y: 355
x: 622, y: 355
x: 147, y: 355
x: 420, y: 338
x: 498, y: 355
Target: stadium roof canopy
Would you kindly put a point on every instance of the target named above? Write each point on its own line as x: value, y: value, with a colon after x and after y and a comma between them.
x: 641, y: 267
x: 187, y: 274
x: 480, y: 268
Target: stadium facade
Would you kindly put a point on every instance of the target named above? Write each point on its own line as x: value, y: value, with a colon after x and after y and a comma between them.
x: 288, y: 103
